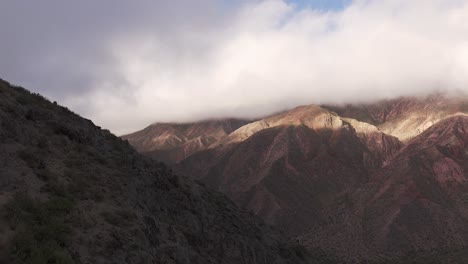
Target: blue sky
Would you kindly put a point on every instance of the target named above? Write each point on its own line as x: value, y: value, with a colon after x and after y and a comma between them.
x: 315, y: 4
x: 321, y: 4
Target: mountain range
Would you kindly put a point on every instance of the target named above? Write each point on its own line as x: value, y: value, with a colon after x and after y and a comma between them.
x: 382, y: 182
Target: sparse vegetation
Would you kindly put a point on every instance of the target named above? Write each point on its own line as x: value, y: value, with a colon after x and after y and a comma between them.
x: 81, y: 189
x: 119, y: 217
x: 41, y: 230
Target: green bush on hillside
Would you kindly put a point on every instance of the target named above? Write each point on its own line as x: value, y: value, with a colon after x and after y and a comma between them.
x: 41, y: 232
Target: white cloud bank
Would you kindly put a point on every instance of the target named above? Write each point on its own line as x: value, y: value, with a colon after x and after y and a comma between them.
x: 265, y: 56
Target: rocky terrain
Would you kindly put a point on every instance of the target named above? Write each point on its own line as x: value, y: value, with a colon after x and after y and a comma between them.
x: 405, y: 117
x: 382, y: 182
x: 414, y: 205
x: 172, y: 143
x: 71, y: 192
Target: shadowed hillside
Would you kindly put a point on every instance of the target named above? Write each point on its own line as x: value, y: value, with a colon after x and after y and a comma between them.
x: 73, y: 193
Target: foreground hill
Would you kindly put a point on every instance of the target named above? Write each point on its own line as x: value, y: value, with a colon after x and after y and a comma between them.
x: 383, y: 182
x: 73, y: 193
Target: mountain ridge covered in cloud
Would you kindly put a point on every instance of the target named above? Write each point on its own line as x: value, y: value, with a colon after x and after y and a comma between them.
x: 129, y: 65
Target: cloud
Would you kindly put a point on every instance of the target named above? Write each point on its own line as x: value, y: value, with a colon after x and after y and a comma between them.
x: 126, y: 65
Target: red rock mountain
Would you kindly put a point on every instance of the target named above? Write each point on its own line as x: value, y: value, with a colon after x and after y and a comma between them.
x: 371, y: 182
x: 172, y: 142
x: 407, y: 117
x: 415, y: 203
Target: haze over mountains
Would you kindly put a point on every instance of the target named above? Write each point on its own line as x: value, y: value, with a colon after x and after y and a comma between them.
x: 379, y: 181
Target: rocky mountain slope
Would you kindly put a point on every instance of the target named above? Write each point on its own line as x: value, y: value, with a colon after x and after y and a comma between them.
x: 414, y: 205
x: 419, y: 198
x: 272, y: 166
x: 376, y: 182
x: 73, y: 193
x: 172, y: 143
x: 405, y: 117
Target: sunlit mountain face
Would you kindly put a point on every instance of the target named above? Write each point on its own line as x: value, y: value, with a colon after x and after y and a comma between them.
x: 358, y: 181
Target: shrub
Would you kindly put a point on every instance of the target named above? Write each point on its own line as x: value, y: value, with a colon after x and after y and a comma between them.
x: 111, y: 218
x: 119, y: 217
x: 41, y: 233
x: 31, y: 158
x: 25, y: 99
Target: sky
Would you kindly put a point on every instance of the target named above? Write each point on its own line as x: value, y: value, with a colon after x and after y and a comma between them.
x: 324, y: 5
x: 127, y: 64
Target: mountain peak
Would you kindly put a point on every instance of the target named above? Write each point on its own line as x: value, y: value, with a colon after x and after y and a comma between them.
x: 172, y: 142
x: 405, y: 117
